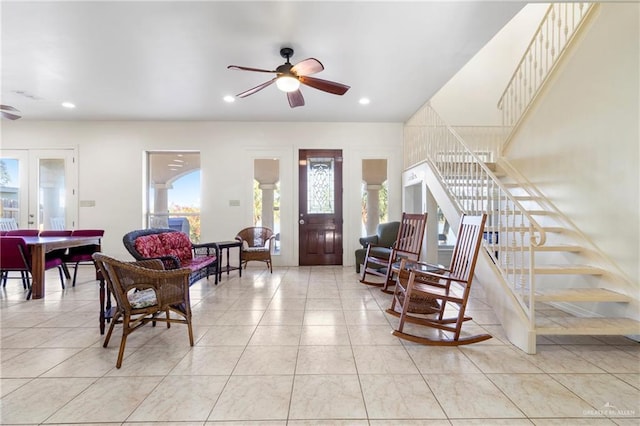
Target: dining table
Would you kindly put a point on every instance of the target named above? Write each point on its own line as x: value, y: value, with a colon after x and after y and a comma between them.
x: 39, y: 246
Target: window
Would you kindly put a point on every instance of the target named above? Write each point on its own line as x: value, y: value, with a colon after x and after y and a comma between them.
x: 375, y: 206
x: 266, y: 197
x: 174, y: 192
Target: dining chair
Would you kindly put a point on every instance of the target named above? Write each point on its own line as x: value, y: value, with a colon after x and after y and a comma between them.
x: 14, y: 258
x: 83, y: 254
x: 23, y: 233
x: 18, y: 258
x: 144, y: 292
x: 62, y: 253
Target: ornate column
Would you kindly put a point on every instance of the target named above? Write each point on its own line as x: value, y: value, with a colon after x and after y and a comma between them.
x: 267, y: 204
x: 161, y: 205
x: 373, y: 208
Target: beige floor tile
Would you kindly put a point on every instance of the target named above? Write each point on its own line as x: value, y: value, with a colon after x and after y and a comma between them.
x: 227, y: 335
x: 267, y: 360
x: 75, y: 338
x: 30, y: 337
x: 9, y: 385
x: 323, y: 318
x: 399, y: 396
x: 608, y: 358
x: 254, y: 398
x: 499, y: 359
x: 492, y: 422
x: 440, y: 360
x: 110, y: 399
x: 324, y: 335
x: 180, y: 398
x: 609, y: 394
x: 383, y: 360
x: 90, y: 362
x: 539, y: 395
x: 35, y: 401
x: 150, y: 362
x: 208, y: 361
x: 34, y: 362
x: 240, y: 318
x: 558, y: 359
x: 276, y: 335
x: 325, y: 360
x: 471, y: 396
x: 282, y: 317
x: 575, y: 422
x: 365, y: 317
x: 372, y: 335
x: 327, y: 397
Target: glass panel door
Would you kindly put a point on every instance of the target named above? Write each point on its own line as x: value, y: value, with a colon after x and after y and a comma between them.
x: 37, y: 189
x: 52, y: 195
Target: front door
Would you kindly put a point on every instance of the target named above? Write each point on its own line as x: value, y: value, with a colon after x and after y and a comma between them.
x: 320, y: 207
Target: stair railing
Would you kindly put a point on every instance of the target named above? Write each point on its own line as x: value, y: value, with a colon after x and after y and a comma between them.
x: 556, y: 31
x: 511, y: 233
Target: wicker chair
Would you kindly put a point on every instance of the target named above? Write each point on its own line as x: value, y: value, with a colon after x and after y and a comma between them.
x: 144, y: 291
x: 256, y: 245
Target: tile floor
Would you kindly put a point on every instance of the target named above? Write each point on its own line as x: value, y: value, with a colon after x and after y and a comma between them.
x: 303, y: 346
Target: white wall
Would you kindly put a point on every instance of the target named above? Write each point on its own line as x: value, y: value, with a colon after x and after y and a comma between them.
x: 111, y: 169
x: 580, y: 143
x: 470, y: 98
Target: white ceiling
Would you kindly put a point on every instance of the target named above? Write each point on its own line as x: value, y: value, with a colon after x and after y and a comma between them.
x: 168, y: 60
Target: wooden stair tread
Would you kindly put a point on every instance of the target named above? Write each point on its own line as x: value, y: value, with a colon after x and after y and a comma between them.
x: 600, y: 326
x: 546, y: 248
x: 581, y: 295
x: 566, y: 270
x: 550, y: 229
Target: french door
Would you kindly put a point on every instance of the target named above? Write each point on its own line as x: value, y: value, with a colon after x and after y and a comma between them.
x: 38, y: 188
x: 320, y: 207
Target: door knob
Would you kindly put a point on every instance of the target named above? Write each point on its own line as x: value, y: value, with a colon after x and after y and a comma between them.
x: 301, y: 221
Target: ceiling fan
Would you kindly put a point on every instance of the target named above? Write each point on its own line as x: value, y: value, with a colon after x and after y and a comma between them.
x: 288, y: 78
x: 9, y: 115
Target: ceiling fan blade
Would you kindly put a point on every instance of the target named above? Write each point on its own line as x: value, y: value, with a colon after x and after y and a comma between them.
x: 9, y: 115
x: 238, y: 67
x: 256, y: 89
x: 325, y: 85
x: 295, y: 98
x: 8, y: 108
x: 307, y: 67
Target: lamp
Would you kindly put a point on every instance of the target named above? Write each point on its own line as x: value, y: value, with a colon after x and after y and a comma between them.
x: 287, y: 83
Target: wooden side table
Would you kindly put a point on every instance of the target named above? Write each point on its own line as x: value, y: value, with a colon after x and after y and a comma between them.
x: 226, y: 245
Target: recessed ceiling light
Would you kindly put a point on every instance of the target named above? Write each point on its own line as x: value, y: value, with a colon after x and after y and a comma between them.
x: 68, y: 105
x: 364, y: 101
x: 175, y: 165
x: 229, y: 98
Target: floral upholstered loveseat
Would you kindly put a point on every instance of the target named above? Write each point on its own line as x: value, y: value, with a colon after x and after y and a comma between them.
x: 175, y: 250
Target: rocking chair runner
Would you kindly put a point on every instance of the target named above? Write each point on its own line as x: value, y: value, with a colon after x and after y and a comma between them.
x: 436, y: 287
x: 408, y: 245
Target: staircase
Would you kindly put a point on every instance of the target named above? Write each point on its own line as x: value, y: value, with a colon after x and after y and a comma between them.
x: 542, y: 275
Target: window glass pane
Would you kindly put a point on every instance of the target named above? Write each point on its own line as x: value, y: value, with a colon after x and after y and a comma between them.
x: 266, y: 197
x: 320, y: 191
x: 174, y: 192
x: 9, y: 193
x: 51, y: 193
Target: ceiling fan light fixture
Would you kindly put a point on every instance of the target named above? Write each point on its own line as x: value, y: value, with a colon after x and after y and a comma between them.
x: 287, y: 83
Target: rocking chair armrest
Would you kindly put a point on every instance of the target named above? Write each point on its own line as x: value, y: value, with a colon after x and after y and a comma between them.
x: 430, y: 265
x: 436, y: 275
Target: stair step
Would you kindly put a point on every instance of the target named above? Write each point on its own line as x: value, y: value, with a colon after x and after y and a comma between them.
x: 587, y: 326
x: 550, y: 229
x: 581, y: 295
x: 531, y: 212
x: 566, y: 270
x: 545, y: 248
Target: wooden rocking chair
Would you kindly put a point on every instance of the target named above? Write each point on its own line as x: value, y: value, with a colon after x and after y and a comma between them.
x: 418, y: 281
x: 408, y: 245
